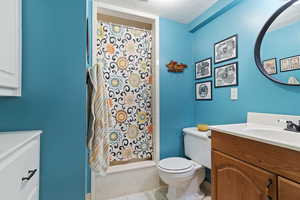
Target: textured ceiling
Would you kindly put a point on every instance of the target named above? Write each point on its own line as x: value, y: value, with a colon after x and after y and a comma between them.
x: 183, y: 11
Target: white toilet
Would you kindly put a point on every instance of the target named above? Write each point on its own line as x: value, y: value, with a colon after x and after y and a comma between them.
x: 184, y: 176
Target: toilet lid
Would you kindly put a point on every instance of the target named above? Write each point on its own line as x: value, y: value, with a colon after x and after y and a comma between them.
x: 175, y: 164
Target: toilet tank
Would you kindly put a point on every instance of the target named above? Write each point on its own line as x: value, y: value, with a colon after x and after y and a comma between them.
x: 197, y: 146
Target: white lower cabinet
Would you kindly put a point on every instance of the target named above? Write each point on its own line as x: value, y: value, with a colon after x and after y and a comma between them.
x: 19, y: 166
x: 34, y: 195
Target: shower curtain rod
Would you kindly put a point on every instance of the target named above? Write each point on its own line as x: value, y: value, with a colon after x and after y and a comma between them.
x: 124, y: 22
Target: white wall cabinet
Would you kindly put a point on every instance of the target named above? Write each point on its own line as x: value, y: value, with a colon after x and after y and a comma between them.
x: 19, y: 165
x: 10, y: 47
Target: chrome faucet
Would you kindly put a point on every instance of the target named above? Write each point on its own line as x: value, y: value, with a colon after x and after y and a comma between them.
x: 291, y: 126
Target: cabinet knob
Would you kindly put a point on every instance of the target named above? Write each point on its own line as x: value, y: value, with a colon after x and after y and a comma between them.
x: 269, y: 186
x: 31, y: 173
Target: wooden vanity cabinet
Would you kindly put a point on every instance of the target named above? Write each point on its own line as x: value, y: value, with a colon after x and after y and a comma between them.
x: 244, y: 169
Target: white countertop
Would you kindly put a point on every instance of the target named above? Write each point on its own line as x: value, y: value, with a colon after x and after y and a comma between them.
x: 262, y: 133
x: 10, y: 141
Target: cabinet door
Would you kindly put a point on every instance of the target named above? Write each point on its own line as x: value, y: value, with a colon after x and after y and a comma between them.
x: 34, y: 195
x: 236, y: 180
x: 15, y: 167
x: 10, y: 48
x: 288, y: 190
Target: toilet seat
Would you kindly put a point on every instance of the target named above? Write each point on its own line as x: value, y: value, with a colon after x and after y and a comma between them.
x: 183, y: 178
x: 176, y: 165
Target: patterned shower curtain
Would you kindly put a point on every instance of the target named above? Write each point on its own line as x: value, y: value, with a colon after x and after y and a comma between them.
x: 126, y: 54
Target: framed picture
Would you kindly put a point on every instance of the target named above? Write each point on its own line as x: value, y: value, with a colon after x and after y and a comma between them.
x: 270, y: 66
x: 290, y: 63
x: 226, y: 75
x: 203, y: 68
x: 204, y: 91
x: 226, y: 49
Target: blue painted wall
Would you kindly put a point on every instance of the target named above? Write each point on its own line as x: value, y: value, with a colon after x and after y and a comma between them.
x: 53, y: 97
x: 256, y: 93
x: 54, y: 85
x: 282, y: 43
x: 176, y: 89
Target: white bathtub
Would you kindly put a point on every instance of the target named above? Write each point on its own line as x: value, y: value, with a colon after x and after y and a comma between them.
x: 125, y: 179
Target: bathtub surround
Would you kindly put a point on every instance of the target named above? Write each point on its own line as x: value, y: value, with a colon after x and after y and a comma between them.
x: 139, y: 82
x: 175, y: 89
x: 53, y: 94
x: 143, y: 176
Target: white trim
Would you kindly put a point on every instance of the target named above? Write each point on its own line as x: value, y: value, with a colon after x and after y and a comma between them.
x: 94, y: 42
x: 130, y: 167
x: 140, y: 16
x: 157, y: 91
x: 125, y: 10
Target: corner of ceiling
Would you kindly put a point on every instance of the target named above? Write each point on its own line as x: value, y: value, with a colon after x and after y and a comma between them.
x: 216, y: 10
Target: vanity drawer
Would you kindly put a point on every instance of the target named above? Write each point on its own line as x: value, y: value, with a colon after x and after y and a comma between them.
x: 281, y: 161
x: 16, y: 166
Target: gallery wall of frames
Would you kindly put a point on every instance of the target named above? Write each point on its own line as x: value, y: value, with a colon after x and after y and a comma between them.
x: 223, y: 75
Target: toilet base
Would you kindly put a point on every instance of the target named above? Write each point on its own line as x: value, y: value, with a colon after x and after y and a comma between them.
x: 194, y: 196
x: 189, y: 189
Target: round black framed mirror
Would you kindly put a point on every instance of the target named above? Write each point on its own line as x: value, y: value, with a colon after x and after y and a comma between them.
x: 277, y: 48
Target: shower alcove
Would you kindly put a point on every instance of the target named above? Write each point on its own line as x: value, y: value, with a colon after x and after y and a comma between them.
x: 130, y: 172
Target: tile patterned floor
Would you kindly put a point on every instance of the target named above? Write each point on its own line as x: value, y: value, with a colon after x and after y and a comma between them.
x: 158, y: 194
